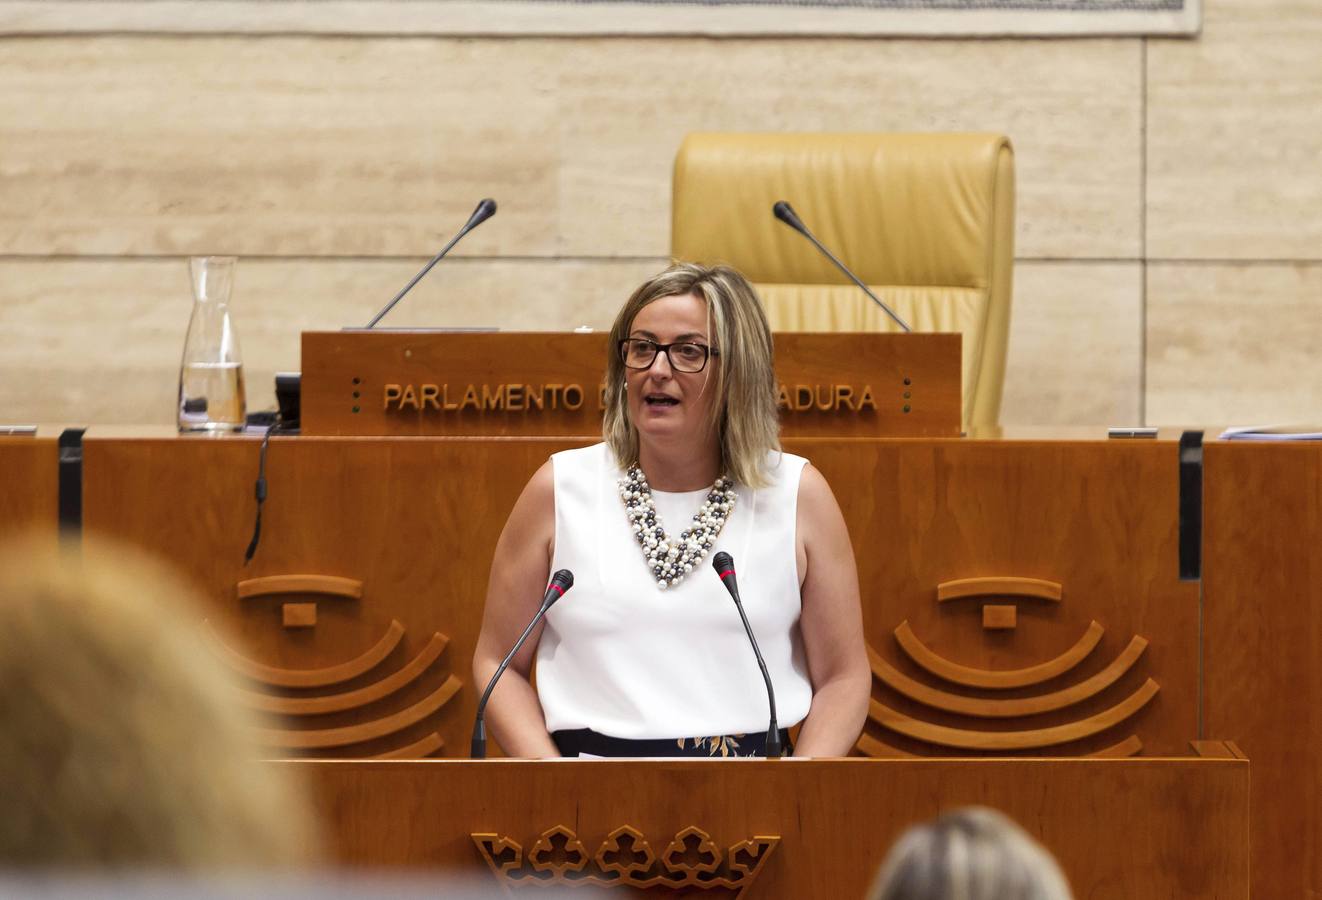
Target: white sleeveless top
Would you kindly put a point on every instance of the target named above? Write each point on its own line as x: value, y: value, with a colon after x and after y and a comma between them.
x: 629, y: 660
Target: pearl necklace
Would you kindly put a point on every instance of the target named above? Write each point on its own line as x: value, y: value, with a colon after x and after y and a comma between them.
x: 670, y: 560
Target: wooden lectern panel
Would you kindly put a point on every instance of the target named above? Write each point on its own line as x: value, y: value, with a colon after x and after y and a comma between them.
x: 1262, y: 645
x: 30, y: 487
x: 538, y: 384
x: 1079, y: 538
x: 1121, y: 829
x: 406, y: 529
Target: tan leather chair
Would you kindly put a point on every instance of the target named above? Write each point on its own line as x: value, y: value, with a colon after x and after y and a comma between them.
x: 925, y: 220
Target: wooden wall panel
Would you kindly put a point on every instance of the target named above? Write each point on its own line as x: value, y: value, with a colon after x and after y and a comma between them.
x: 30, y: 486
x: 1262, y: 644
x: 1122, y: 829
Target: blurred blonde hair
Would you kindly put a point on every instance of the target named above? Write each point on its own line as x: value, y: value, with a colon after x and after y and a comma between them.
x: 969, y: 854
x: 121, y: 744
x: 744, y: 415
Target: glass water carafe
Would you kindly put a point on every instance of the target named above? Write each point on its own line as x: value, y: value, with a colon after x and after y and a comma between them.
x: 211, y: 374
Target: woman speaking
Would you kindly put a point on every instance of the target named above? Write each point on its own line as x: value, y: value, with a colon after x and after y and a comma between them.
x: 647, y: 655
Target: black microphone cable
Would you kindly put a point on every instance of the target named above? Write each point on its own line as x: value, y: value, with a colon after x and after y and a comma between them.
x: 260, y: 489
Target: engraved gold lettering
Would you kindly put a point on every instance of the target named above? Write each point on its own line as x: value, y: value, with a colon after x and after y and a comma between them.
x: 867, y: 401
x: 783, y: 397
x: 824, y: 401
x: 514, y: 400
x: 390, y: 395
x: 573, y: 396
x: 470, y: 398
x: 536, y: 396
x: 802, y: 397
x: 601, y: 397
x: 844, y: 396
x: 445, y: 398
x: 429, y: 392
x: 493, y: 399
x: 410, y: 397
x: 553, y: 395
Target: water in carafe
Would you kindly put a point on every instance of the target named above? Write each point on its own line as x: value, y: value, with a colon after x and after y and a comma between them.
x: 211, y: 396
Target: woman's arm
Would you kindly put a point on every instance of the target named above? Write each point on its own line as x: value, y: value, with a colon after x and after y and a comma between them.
x: 832, y: 624
x: 519, y: 573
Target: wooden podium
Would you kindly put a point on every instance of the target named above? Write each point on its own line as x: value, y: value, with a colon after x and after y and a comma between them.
x: 1050, y: 559
x: 802, y: 829
x: 398, y: 383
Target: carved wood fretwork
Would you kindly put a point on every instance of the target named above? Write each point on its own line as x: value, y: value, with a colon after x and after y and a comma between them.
x: 625, y: 857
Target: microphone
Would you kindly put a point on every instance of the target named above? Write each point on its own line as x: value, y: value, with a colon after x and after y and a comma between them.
x: 786, y: 214
x: 724, y: 566
x: 561, y: 581
x: 485, y: 210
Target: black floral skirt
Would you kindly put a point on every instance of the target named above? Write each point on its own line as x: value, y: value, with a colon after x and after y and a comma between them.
x: 586, y: 742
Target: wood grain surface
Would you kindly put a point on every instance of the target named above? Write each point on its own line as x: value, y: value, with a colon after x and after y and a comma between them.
x: 1121, y: 829
x: 436, y: 383
x: 415, y: 521
x: 30, y: 485
x: 1100, y: 519
x: 1262, y: 645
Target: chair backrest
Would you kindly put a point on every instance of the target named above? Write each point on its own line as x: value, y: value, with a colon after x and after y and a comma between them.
x: 925, y: 220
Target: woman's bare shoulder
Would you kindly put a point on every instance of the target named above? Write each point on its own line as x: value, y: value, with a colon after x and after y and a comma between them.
x: 815, y: 494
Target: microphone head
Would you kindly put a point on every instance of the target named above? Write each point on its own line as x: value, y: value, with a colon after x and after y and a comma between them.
x: 723, y: 563
x: 786, y: 214
x: 563, y: 579
x: 486, y: 208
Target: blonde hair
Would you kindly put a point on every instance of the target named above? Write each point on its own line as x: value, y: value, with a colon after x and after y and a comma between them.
x: 744, y: 415
x: 121, y: 744
x: 969, y: 854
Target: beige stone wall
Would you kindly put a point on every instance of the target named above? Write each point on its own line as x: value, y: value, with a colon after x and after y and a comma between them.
x: 1168, y: 245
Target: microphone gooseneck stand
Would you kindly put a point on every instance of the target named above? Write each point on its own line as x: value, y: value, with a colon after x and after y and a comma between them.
x: 723, y: 563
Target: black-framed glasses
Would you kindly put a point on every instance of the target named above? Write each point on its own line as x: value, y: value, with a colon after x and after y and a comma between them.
x: 684, y: 356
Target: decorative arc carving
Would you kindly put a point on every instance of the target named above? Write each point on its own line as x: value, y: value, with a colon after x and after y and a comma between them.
x: 296, y: 723
x: 625, y: 858
x: 1005, y: 709
x: 986, y: 678
x: 919, y: 706
x: 314, y: 706
x: 1013, y: 740
x: 306, y: 678
x: 998, y: 586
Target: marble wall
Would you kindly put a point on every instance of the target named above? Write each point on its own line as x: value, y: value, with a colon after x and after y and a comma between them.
x: 1168, y: 258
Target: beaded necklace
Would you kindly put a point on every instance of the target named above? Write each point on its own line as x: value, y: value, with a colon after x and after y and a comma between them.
x: 670, y: 559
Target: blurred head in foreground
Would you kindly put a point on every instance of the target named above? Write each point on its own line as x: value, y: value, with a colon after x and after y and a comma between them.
x: 121, y: 744
x: 969, y: 854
